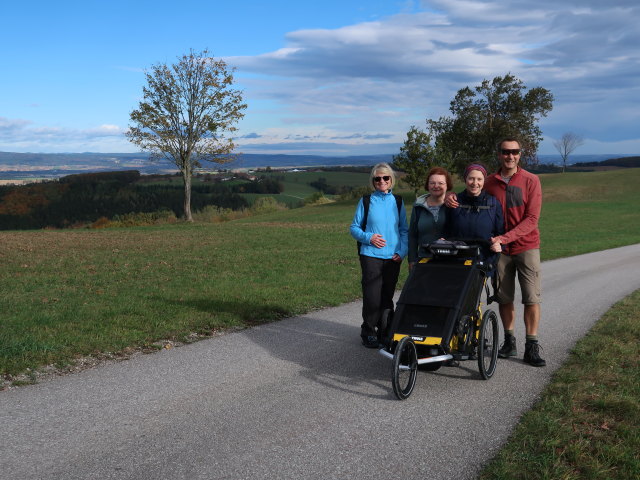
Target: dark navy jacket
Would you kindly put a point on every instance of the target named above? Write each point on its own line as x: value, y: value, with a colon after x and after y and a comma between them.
x: 477, y: 218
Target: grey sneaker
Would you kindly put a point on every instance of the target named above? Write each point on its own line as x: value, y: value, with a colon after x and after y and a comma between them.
x: 508, y: 348
x: 532, y: 354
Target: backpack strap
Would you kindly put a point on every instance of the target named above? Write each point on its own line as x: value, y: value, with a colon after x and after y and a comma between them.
x: 476, y: 207
x: 398, y: 202
x: 492, y: 211
x: 366, y: 200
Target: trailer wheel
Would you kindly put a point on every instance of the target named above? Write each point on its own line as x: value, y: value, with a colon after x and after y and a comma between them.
x: 488, y: 344
x: 405, y: 367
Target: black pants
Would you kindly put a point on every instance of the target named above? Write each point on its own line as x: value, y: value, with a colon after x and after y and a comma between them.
x: 379, y: 279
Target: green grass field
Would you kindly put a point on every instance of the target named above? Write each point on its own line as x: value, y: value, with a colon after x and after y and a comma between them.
x: 296, y: 184
x: 589, y: 212
x: 335, y: 178
x: 71, y: 293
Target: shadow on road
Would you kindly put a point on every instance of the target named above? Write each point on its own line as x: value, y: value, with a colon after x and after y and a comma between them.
x: 329, y: 353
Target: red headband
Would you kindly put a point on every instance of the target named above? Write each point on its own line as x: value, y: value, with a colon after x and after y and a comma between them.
x: 475, y: 166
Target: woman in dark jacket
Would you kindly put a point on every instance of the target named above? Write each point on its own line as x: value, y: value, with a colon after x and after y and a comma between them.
x: 479, y: 216
x: 428, y: 214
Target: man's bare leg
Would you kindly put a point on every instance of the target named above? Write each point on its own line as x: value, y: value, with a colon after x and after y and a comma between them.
x: 532, y: 347
x: 508, y: 315
x: 531, y: 318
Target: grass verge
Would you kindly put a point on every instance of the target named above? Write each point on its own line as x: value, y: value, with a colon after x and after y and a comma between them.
x: 586, y: 424
x: 69, y: 294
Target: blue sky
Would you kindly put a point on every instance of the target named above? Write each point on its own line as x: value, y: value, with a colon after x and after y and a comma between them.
x: 342, y: 77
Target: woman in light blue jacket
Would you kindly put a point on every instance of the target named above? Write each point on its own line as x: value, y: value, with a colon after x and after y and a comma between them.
x: 380, y: 228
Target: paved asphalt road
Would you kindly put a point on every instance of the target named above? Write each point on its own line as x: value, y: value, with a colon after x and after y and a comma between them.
x: 297, y: 399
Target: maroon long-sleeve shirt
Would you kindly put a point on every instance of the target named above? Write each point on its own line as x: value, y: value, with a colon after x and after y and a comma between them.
x: 521, y: 201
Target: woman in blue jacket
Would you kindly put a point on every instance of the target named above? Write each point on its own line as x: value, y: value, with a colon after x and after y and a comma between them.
x: 380, y: 228
x: 479, y: 216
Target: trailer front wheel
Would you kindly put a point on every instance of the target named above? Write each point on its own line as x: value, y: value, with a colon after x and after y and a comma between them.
x: 488, y: 344
x: 405, y: 368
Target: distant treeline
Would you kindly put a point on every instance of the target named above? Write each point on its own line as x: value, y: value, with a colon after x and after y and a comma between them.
x: 625, y: 162
x: 81, y: 199
x: 261, y: 185
x: 323, y: 186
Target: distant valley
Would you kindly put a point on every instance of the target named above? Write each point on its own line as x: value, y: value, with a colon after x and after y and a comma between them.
x: 54, y: 165
x: 30, y: 166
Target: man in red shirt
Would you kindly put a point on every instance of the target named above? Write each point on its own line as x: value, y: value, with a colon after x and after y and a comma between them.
x: 520, y: 194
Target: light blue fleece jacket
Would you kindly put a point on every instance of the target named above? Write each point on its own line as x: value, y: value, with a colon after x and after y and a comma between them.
x: 383, y: 219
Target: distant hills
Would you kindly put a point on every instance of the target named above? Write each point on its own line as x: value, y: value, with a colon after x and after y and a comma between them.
x: 53, y: 165
x: 245, y: 160
x: 624, y: 162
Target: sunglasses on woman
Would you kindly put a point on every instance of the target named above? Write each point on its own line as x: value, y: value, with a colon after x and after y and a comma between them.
x: 386, y: 178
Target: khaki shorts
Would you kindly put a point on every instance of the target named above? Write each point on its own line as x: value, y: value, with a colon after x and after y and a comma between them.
x: 527, y: 266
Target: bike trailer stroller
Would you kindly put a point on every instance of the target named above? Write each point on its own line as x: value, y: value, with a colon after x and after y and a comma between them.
x: 438, y: 317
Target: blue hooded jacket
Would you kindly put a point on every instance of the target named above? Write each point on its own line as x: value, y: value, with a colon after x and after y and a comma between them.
x: 383, y: 218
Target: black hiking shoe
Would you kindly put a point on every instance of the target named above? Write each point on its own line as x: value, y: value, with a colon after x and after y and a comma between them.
x: 473, y: 355
x: 532, y: 354
x: 370, y: 342
x: 508, y: 348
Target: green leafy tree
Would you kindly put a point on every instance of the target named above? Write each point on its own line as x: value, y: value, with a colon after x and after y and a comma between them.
x: 187, y: 112
x: 483, y: 115
x: 416, y: 158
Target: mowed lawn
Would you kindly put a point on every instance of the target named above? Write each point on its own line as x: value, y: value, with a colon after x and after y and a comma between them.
x: 72, y: 293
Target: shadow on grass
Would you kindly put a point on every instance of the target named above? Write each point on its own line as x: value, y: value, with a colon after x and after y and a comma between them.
x: 249, y: 313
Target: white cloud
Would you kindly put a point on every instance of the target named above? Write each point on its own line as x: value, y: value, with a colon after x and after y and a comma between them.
x: 18, y: 135
x: 585, y: 53
x: 320, y: 148
x: 365, y: 84
x: 10, y: 126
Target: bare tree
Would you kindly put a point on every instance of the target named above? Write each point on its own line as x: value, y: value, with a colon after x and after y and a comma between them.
x: 566, y: 145
x: 187, y: 110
